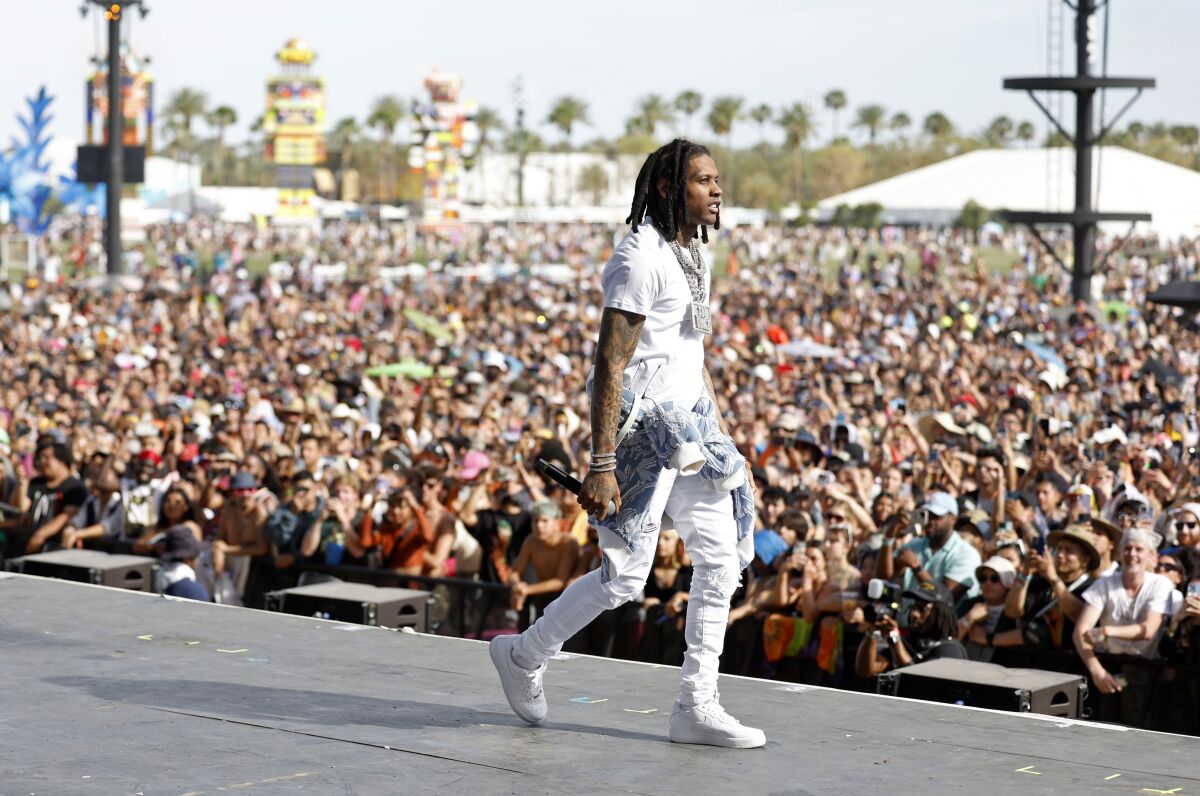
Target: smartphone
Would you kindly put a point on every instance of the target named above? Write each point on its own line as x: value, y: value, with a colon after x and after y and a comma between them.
x: 1083, y: 502
x: 799, y: 549
x: 1194, y: 589
x: 933, y: 455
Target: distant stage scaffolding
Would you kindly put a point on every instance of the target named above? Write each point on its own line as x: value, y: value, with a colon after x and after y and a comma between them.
x: 294, y: 121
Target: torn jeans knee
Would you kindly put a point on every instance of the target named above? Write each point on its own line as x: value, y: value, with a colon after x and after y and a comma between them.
x: 717, y: 582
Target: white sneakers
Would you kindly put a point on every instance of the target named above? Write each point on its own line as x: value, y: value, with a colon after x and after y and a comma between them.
x: 522, y: 687
x: 709, y: 724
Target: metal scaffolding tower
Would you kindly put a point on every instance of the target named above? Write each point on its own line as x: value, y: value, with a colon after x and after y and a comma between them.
x: 1084, y: 85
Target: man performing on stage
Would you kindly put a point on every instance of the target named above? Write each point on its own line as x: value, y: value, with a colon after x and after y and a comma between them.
x: 659, y: 447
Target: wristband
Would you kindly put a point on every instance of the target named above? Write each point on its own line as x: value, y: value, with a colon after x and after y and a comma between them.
x: 1021, y: 576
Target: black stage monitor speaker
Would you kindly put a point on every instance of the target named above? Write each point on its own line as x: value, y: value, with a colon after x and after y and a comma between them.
x: 91, y: 163
x: 135, y: 573
x: 988, y: 685
x: 356, y: 603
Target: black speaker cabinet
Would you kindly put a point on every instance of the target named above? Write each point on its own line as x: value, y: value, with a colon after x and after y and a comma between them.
x: 988, y: 685
x: 355, y: 602
x: 91, y: 163
x: 135, y: 573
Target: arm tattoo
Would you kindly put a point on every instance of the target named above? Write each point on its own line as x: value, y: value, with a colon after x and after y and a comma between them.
x: 619, y: 335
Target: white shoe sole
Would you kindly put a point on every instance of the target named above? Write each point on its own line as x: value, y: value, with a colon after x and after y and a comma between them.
x: 751, y: 742
x: 497, y: 652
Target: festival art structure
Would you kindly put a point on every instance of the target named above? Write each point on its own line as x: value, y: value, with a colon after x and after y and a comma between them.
x: 137, y: 101
x: 294, y: 123
x: 445, y: 140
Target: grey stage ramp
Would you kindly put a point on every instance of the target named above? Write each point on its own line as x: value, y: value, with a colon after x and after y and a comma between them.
x: 111, y: 692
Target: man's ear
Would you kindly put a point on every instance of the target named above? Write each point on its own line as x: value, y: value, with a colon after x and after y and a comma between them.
x: 662, y: 187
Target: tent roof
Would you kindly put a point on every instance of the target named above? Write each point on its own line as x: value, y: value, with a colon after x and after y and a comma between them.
x: 1036, y: 179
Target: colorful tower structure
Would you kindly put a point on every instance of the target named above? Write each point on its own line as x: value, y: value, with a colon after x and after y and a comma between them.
x: 445, y: 140
x: 294, y: 121
x: 137, y: 101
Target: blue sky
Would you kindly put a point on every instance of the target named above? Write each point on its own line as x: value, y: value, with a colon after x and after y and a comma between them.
x: 912, y: 55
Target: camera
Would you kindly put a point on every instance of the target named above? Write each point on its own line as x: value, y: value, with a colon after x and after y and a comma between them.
x: 883, y: 599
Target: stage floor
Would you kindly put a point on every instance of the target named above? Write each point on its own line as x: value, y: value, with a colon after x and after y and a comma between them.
x: 111, y: 692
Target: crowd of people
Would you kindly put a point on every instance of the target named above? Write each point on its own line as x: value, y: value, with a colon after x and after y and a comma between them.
x: 951, y: 459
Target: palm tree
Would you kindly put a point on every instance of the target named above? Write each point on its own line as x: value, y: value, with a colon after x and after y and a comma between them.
x: 937, y: 125
x: 870, y: 118
x: 185, y: 105
x: 899, y: 122
x: 1187, y: 136
x: 722, y: 114
x: 567, y: 112
x: 386, y: 113
x: 1026, y: 132
x: 221, y: 117
x: 999, y: 131
x: 487, y: 120
x: 763, y: 115
x: 835, y: 100
x: 797, y: 123
x: 689, y: 103
x: 654, y: 110
x: 342, y: 139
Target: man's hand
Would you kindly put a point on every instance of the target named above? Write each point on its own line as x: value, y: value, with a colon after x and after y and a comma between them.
x: 1105, y: 682
x: 907, y: 559
x: 597, y: 491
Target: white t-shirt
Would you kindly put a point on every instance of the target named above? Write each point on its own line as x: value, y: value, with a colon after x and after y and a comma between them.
x: 1118, y: 608
x: 644, y: 277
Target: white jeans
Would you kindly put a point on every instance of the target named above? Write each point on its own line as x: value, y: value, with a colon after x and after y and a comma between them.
x: 704, y: 519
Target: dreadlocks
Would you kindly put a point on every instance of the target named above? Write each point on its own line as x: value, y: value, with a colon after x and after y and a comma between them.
x: 669, y: 162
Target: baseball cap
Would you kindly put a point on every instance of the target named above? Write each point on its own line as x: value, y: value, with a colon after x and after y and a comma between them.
x: 243, y: 480
x: 933, y: 591
x: 1002, y: 567
x: 940, y: 504
x: 180, y: 544
x: 474, y: 463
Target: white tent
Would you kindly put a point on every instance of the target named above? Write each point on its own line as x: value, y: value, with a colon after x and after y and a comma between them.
x: 1036, y: 179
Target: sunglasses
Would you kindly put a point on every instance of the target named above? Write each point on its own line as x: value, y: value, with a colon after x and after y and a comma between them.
x: 1180, y: 525
x: 244, y: 491
x: 838, y: 518
x: 990, y: 579
x: 1167, y: 568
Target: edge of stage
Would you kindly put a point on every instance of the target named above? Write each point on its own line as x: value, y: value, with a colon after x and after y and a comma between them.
x: 109, y: 691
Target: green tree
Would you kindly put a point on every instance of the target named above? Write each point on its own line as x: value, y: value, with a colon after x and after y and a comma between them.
x: 185, y: 105
x: 999, y: 131
x: 937, y: 125
x: 1186, y: 135
x: 835, y: 100
x: 1136, y: 131
x: 870, y: 118
x: 867, y: 215
x: 593, y: 180
x: 972, y: 216
x: 899, y: 122
x: 488, y: 121
x: 762, y: 115
x: 689, y: 104
x: 342, y: 139
x: 567, y: 112
x: 1026, y: 132
x: 386, y: 113
x: 796, y: 120
x: 722, y: 115
x: 220, y: 118
x: 653, y: 110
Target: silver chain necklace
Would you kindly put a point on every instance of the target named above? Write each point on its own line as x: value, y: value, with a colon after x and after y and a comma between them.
x: 694, y: 271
